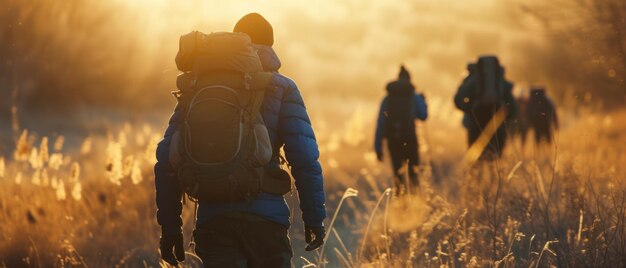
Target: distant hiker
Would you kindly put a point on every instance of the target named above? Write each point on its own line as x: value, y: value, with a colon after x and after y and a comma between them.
x: 396, y: 123
x: 541, y: 115
x: 518, y: 124
x: 222, y: 148
x: 483, y: 92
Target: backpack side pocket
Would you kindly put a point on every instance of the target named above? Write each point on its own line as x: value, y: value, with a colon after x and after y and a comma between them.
x: 263, y: 146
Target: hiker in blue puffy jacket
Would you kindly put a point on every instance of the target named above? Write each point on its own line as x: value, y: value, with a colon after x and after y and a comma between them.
x: 396, y: 123
x: 251, y: 233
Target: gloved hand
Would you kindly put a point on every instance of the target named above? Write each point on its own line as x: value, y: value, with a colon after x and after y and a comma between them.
x: 379, y: 155
x: 170, y: 245
x: 314, y: 237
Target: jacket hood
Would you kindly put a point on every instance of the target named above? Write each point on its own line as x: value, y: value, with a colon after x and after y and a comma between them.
x: 269, y: 58
x: 400, y: 87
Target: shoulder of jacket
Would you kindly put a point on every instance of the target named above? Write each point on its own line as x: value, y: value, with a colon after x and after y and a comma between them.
x: 283, y: 80
x: 285, y: 83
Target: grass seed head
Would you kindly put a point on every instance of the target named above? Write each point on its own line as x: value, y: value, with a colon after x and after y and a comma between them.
x: 43, y: 151
x: 60, y: 191
x: 22, y: 147
x: 58, y: 143
x: 114, y: 162
x: 18, y: 178
x: 77, y: 190
x: 2, y: 167
x: 75, y: 173
x: 85, y: 148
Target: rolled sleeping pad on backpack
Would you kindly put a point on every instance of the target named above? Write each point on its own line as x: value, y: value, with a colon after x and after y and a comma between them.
x: 225, y: 51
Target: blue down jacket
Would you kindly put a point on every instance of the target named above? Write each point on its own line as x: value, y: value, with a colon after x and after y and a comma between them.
x: 288, y: 124
x: 419, y: 111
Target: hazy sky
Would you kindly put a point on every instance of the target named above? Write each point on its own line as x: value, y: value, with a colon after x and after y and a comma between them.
x: 342, y: 49
x: 354, y: 47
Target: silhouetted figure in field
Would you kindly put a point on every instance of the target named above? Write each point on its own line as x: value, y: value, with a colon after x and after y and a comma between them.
x: 518, y: 125
x: 222, y: 148
x: 541, y: 115
x: 396, y: 123
x: 483, y: 92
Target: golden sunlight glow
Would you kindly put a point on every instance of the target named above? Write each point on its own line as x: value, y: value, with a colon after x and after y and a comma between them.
x: 85, y: 86
x: 355, y: 45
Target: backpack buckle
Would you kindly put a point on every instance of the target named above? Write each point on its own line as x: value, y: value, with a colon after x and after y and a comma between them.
x: 194, y: 81
x: 247, y: 80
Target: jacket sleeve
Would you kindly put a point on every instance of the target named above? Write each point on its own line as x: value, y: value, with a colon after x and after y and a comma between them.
x: 380, y: 127
x: 420, y: 109
x: 466, y: 94
x: 168, y: 192
x: 301, y: 151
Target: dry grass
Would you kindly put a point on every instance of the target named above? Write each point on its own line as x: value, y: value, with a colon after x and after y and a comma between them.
x: 68, y: 201
x: 562, y: 205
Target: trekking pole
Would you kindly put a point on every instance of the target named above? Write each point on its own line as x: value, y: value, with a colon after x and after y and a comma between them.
x: 426, y: 139
x: 429, y: 153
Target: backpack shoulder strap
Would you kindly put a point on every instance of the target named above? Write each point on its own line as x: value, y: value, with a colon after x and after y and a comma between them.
x: 258, y: 84
x: 261, y: 80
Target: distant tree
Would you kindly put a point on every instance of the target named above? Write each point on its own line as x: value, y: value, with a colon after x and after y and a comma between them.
x: 66, y: 54
x: 597, y: 29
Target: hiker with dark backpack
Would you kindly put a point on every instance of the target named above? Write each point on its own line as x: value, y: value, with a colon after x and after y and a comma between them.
x: 222, y: 149
x: 484, y: 94
x: 541, y: 115
x: 396, y: 123
x: 518, y: 125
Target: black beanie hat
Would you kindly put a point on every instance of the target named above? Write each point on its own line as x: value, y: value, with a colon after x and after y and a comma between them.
x: 257, y: 27
x: 404, y: 74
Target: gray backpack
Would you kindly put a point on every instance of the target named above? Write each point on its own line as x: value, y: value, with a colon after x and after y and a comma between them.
x: 222, y: 144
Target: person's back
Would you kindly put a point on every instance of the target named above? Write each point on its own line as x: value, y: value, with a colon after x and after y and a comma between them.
x: 252, y: 232
x: 396, y: 123
x: 482, y: 93
x: 400, y: 124
x: 541, y: 115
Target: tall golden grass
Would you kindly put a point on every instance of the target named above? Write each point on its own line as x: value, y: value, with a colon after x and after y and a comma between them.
x: 89, y: 201
x: 559, y: 205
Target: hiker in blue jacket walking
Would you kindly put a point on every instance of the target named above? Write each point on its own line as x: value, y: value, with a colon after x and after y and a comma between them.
x: 251, y: 232
x: 396, y: 123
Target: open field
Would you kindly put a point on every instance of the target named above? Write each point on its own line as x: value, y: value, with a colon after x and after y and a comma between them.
x: 93, y: 205
x: 85, y: 91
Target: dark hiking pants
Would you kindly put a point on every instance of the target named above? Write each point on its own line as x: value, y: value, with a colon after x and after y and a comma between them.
x: 404, y: 153
x: 543, y: 132
x: 243, y: 240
